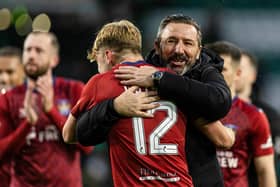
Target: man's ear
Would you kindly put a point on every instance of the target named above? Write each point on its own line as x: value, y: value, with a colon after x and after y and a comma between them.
x: 198, y: 54
x: 157, y: 46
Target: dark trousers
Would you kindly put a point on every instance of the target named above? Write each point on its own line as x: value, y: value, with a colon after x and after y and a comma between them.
x: 208, y: 175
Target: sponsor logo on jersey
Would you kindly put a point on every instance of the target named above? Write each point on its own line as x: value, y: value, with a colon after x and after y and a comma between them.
x: 227, y: 159
x: 150, y: 174
x: 50, y: 133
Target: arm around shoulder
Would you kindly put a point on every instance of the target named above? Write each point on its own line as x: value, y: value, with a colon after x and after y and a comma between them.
x: 95, y: 124
x: 209, y: 96
x: 223, y: 137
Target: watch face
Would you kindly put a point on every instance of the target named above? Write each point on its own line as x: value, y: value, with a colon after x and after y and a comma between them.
x: 156, y: 78
x: 157, y: 75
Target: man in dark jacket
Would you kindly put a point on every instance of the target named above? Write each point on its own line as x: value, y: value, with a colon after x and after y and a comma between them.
x: 198, y: 86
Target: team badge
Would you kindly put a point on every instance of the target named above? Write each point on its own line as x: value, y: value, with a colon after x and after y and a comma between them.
x: 64, y: 107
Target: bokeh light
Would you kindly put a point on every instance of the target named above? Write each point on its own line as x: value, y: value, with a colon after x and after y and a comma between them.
x: 23, y: 25
x: 17, y: 12
x: 5, y: 18
x: 41, y: 23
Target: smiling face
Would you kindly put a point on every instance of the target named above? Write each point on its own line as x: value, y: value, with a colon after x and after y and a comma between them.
x: 179, y: 46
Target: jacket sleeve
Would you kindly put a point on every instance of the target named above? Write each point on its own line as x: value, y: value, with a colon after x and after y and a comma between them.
x: 208, y: 97
x: 94, y: 125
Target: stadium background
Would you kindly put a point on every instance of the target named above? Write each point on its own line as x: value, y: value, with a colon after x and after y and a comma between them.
x: 252, y: 24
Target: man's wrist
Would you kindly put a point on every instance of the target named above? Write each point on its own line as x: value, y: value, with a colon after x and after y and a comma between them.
x: 156, y: 77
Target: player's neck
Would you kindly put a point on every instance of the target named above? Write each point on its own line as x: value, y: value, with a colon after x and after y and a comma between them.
x: 245, y: 94
x: 233, y: 91
x: 131, y: 58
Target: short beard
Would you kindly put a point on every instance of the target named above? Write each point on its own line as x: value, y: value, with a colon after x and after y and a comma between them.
x: 187, y: 67
x: 34, y: 76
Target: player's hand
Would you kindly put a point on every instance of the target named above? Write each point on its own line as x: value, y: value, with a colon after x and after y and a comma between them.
x: 136, y: 76
x: 29, y: 104
x: 45, y: 87
x: 132, y: 103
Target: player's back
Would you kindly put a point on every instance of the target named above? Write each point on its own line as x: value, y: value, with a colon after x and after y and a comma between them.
x: 146, y: 152
x: 150, y: 151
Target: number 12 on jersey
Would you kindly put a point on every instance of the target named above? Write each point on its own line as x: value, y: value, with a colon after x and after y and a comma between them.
x: 155, y: 147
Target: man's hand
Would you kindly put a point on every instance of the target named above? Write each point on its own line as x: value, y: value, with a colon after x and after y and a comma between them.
x: 133, y: 103
x: 136, y: 76
x: 45, y: 88
x: 29, y: 104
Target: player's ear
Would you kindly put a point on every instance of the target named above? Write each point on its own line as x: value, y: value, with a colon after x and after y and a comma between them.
x: 109, y: 56
x: 254, y: 76
x: 238, y: 72
x: 54, y: 61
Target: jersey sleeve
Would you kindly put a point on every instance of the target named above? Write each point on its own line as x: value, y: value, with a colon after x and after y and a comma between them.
x: 87, y: 98
x: 261, y: 140
x: 97, y: 103
x: 10, y: 140
x: 75, y: 90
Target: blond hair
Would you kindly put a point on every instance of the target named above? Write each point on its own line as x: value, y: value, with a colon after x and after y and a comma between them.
x: 118, y: 36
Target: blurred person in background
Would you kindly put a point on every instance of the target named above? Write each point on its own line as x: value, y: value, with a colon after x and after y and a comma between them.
x: 253, y: 136
x: 198, y: 87
x: 245, y: 90
x: 32, y: 117
x: 11, y: 70
x: 11, y: 74
x: 143, y: 151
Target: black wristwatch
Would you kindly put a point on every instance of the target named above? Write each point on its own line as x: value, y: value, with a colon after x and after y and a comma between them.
x: 156, y: 76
